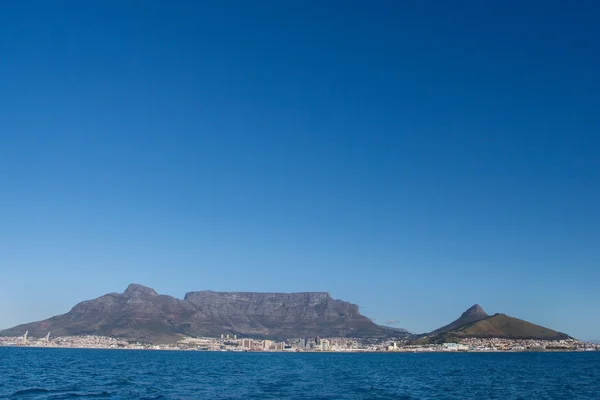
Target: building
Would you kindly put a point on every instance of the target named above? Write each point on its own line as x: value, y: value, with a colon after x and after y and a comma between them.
x: 302, y: 344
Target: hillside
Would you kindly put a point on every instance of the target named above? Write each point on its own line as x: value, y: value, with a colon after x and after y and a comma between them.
x: 473, y: 314
x: 503, y: 326
x: 141, y: 314
x: 475, y: 323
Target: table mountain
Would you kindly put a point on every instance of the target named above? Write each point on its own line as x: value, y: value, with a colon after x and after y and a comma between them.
x: 141, y: 314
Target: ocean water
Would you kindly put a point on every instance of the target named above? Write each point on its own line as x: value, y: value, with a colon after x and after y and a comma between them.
x: 27, y: 373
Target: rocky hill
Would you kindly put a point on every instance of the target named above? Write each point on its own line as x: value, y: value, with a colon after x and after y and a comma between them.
x: 473, y: 314
x: 141, y: 314
x: 476, y: 323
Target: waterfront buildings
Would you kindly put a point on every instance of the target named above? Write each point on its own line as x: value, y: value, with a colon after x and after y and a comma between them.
x: 302, y: 344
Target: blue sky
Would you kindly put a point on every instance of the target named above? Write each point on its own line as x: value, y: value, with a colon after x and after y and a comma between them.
x: 414, y: 159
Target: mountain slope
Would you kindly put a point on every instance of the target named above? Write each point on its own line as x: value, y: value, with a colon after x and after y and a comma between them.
x: 138, y: 314
x: 473, y: 314
x: 503, y: 326
x: 141, y: 314
x: 283, y: 314
x: 475, y: 323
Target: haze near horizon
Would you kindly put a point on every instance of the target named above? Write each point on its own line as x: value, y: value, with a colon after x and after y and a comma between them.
x: 414, y: 159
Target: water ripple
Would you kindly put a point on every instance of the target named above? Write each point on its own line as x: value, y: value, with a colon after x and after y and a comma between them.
x: 44, y: 374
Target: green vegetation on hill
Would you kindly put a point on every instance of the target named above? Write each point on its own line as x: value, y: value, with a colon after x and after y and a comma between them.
x: 473, y: 314
x: 503, y: 326
x: 475, y: 323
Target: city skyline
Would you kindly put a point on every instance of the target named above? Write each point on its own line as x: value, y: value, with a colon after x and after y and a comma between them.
x: 414, y: 159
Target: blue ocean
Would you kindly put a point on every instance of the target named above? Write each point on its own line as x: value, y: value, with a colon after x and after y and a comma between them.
x: 28, y: 373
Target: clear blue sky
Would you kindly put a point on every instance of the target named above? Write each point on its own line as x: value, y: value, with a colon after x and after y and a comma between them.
x: 414, y: 158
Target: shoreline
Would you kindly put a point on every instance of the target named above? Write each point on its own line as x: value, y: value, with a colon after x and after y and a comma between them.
x: 306, y: 352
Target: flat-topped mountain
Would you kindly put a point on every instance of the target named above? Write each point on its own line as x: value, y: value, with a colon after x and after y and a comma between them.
x: 476, y: 323
x: 141, y: 314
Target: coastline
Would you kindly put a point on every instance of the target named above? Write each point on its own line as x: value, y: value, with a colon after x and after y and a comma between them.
x: 305, y: 352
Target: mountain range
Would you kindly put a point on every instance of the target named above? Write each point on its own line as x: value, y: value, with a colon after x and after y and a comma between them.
x: 141, y: 314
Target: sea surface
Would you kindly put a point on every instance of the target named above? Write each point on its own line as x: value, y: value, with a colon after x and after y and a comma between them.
x: 28, y: 373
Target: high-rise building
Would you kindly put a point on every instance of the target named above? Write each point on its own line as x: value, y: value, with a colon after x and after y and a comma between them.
x: 302, y: 344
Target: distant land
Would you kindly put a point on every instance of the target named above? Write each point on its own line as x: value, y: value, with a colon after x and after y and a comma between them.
x: 141, y: 314
x: 476, y: 323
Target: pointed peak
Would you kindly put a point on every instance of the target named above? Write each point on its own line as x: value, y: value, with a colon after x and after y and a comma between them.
x: 475, y: 310
x: 135, y: 289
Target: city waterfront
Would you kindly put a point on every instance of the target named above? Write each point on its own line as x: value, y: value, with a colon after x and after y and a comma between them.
x: 43, y: 374
x: 342, y: 345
